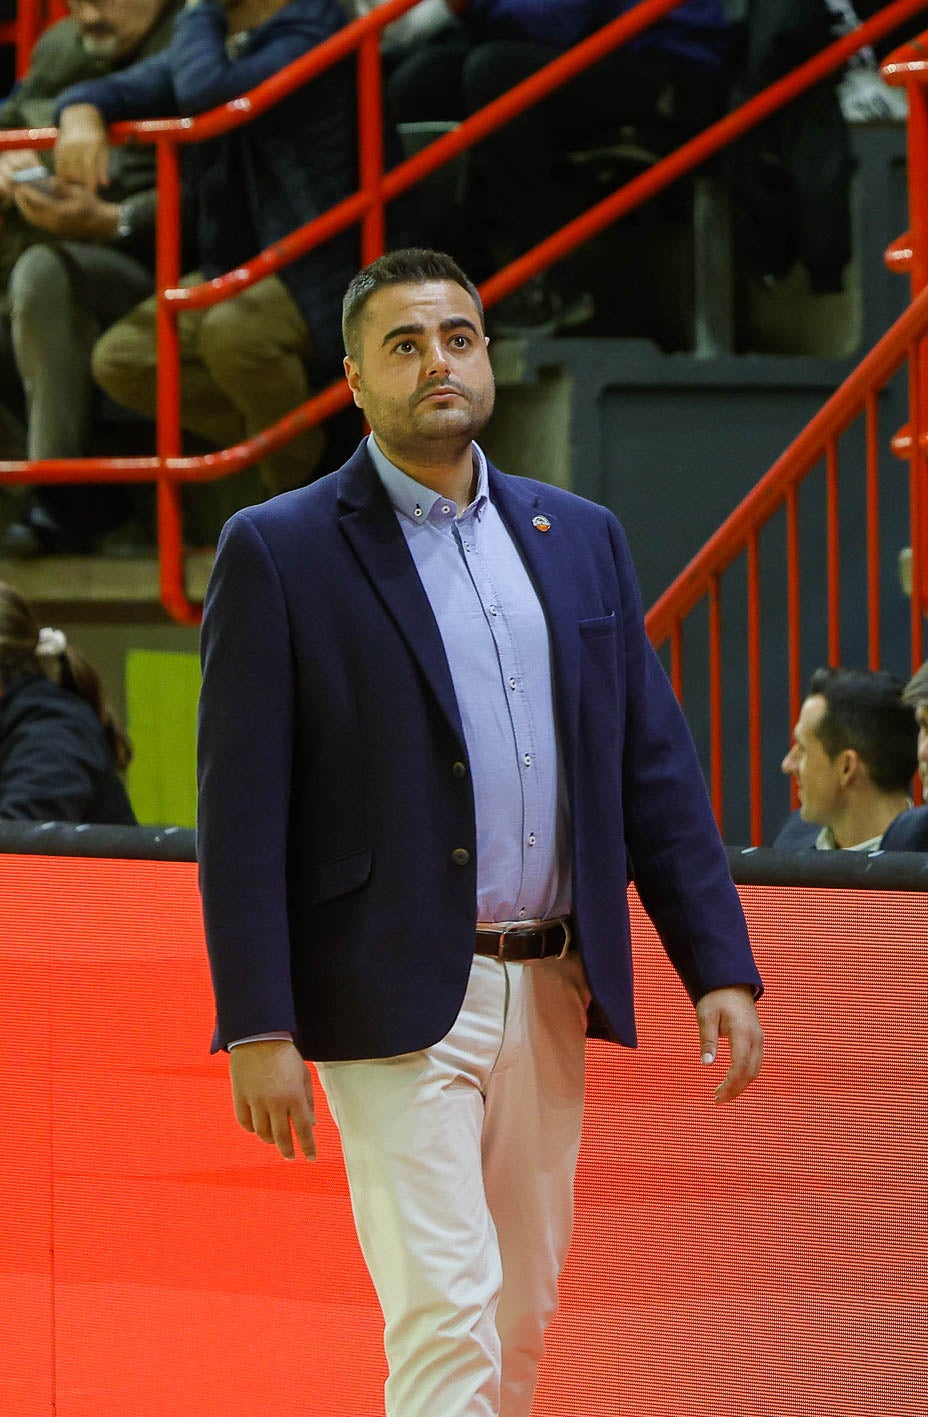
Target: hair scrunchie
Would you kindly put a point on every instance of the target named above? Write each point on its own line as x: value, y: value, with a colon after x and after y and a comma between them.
x: 51, y: 642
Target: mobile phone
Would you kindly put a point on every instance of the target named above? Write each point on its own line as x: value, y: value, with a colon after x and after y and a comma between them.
x: 37, y: 176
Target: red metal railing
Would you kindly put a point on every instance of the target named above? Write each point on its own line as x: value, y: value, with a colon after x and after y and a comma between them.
x: 32, y: 16
x: 168, y: 469
x: 817, y: 448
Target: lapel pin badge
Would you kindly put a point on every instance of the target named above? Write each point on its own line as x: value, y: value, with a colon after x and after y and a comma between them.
x: 541, y: 523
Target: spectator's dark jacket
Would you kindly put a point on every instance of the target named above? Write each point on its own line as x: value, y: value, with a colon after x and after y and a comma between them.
x: 907, y: 832
x: 59, y: 60
x: 55, y: 762
x: 260, y: 181
x: 695, y: 32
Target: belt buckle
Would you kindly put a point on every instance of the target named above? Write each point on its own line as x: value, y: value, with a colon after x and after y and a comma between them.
x: 568, y: 938
x: 501, y: 948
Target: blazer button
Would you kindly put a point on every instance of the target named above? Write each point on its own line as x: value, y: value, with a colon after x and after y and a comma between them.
x: 459, y: 769
x: 460, y: 857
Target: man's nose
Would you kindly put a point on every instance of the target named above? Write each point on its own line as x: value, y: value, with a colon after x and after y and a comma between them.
x: 437, y: 362
x: 788, y: 764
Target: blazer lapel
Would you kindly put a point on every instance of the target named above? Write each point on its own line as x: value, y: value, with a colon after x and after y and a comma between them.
x: 367, y: 519
x: 548, y: 557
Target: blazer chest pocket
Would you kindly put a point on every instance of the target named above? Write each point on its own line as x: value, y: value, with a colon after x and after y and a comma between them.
x: 600, y: 625
x: 338, y: 877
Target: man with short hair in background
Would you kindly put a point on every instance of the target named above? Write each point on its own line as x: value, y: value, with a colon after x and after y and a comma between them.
x: 853, y: 758
x: 72, y: 261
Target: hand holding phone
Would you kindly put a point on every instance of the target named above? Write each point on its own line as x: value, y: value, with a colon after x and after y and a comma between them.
x: 37, y: 176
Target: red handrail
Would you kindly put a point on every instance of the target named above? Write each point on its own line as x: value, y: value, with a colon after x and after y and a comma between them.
x: 771, y: 492
x: 778, y: 490
x: 167, y: 468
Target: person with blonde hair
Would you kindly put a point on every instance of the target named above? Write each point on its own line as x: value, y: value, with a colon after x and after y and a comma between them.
x: 62, y: 751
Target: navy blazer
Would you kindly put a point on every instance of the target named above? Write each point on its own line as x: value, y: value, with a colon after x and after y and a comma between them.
x: 331, y: 816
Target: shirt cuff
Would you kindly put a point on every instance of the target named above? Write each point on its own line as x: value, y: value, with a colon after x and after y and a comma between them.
x: 263, y: 1038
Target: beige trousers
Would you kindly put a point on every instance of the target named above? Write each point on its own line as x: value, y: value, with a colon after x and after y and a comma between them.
x: 460, y: 1163
x: 243, y: 366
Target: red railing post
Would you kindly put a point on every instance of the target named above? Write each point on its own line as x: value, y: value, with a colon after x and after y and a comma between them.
x: 793, y: 620
x: 755, y: 698
x: 833, y: 551
x: 370, y: 144
x: 917, y: 500
x: 30, y: 19
x: 873, y: 531
x: 716, y: 756
x: 917, y: 168
x: 167, y: 276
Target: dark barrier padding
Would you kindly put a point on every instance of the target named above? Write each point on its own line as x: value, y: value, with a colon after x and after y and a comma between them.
x: 880, y: 870
x: 103, y: 843
x: 876, y: 871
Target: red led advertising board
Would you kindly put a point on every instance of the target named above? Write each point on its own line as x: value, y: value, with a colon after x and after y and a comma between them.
x: 766, y: 1259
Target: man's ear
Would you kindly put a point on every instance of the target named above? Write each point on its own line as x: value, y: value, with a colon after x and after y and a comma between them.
x: 353, y: 375
x: 852, y: 765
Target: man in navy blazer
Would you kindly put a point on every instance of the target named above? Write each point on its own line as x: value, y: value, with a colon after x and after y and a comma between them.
x: 433, y: 740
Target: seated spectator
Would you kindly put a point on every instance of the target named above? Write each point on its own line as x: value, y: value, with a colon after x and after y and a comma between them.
x: 247, y: 361
x: 791, y: 175
x: 424, y: 21
x: 62, y: 753
x: 671, y: 77
x: 853, y: 758
x: 72, y: 260
x: 863, y: 95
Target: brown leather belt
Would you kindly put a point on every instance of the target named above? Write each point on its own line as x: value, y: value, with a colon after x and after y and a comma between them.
x: 518, y: 943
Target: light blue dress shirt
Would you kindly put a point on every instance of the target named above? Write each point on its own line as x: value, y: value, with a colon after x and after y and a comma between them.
x: 496, y: 641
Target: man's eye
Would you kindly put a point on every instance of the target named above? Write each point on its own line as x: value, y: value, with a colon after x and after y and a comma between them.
x: 404, y: 346
x: 460, y: 341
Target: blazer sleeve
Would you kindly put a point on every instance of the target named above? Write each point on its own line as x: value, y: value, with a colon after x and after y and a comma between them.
x: 244, y: 760
x: 678, y: 862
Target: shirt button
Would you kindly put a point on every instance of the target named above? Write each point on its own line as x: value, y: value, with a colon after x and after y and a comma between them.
x: 460, y: 856
x: 446, y: 509
x: 492, y: 609
x: 527, y: 759
x: 531, y: 838
x: 512, y: 683
x: 522, y: 911
x: 459, y: 769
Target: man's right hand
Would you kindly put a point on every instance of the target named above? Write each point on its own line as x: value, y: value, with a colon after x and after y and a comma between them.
x: 273, y: 1095
x: 15, y: 160
x: 82, y: 152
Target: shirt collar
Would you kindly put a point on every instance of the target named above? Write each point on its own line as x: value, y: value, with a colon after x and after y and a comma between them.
x: 825, y: 841
x: 419, y: 504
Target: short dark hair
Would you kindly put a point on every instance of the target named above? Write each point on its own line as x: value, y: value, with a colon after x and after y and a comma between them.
x: 915, y: 693
x: 865, y: 711
x: 411, y: 266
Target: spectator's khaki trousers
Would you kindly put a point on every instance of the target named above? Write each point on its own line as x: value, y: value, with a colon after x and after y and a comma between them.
x: 461, y: 1162
x: 243, y: 366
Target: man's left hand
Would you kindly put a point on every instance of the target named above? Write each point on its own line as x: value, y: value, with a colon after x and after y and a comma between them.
x: 70, y: 211
x: 730, y: 1013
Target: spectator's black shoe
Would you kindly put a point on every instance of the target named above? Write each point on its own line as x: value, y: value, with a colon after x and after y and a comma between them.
x: 539, y: 308
x: 38, y: 534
